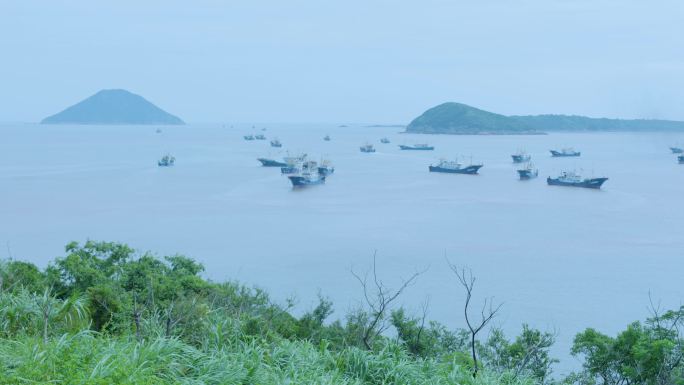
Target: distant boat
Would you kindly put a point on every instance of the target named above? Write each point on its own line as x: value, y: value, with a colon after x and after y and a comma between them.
x: 572, y: 179
x: 342, y: 125
x: 276, y: 143
x: 249, y: 137
x: 260, y: 137
x: 325, y: 168
x: 384, y: 140
x: 681, y: 159
x: 367, y: 148
x: 158, y: 131
x: 453, y: 167
x: 308, y: 176
x: 564, y: 152
x: 166, y: 161
x: 326, y: 138
x: 271, y: 162
x: 521, y: 157
x: 528, y: 172
x: 422, y: 146
x: 677, y: 150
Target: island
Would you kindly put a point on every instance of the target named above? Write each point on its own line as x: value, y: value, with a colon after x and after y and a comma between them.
x: 115, y: 106
x: 457, y: 118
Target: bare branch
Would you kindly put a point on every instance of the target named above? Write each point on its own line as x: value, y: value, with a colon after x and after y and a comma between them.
x: 378, y: 300
x: 487, y: 313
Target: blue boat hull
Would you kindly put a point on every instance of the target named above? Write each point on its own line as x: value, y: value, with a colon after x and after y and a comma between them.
x: 271, y: 163
x: 557, y: 154
x: 289, y: 170
x: 677, y: 150
x: 300, y: 181
x: 402, y: 147
x: 594, y: 183
x: 527, y: 174
x: 470, y: 170
x: 681, y: 159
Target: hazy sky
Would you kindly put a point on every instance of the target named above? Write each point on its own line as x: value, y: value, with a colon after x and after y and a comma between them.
x: 345, y: 61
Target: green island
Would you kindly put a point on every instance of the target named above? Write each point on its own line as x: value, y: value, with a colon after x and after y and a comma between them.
x: 461, y: 119
x: 106, y: 314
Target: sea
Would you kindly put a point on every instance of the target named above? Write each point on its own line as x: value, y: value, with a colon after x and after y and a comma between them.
x: 560, y: 259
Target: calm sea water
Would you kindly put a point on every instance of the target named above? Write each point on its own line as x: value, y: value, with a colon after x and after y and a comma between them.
x: 559, y: 258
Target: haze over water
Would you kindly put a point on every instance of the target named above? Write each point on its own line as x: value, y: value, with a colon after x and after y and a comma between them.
x: 559, y: 258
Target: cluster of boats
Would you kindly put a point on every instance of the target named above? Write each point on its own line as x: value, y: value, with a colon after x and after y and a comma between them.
x: 300, y: 170
x: 527, y: 171
x: 566, y: 178
x: 255, y: 137
x: 418, y: 147
x: 303, y: 172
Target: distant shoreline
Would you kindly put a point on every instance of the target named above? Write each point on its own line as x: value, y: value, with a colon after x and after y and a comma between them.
x: 477, y: 133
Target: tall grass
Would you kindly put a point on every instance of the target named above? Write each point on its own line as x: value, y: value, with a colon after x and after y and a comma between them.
x: 90, y: 358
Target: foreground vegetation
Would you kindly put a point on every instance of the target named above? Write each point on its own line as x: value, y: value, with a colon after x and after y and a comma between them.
x: 104, y: 314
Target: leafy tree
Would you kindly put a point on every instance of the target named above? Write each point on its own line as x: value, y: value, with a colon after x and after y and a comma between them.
x: 527, y: 355
x: 649, y: 354
x: 18, y: 274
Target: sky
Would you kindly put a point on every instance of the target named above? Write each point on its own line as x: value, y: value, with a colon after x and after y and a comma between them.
x: 352, y: 61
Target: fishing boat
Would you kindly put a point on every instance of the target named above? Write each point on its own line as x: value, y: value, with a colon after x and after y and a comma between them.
x: 308, y: 176
x: 573, y: 179
x: 326, y: 138
x: 260, y: 137
x: 528, y: 172
x: 454, y: 167
x: 677, y: 150
x: 384, y: 140
x: 266, y: 162
x: 420, y: 147
x: 367, y: 148
x: 276, y: 143
x: 166, y: 161
x: 249, y: 137
x: 521, y: 157
x: 159, y: 131
x: 564, y: 153
x: 325, y: 168
x: 681, y: 159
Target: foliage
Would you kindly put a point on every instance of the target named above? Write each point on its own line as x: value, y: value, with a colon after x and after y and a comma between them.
x: 649, y: 353
x: 105, y: 314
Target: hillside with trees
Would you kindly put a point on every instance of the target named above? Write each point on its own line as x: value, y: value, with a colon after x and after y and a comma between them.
x: 106, y: 314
